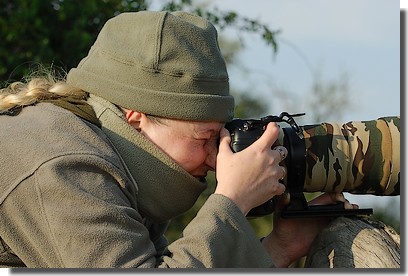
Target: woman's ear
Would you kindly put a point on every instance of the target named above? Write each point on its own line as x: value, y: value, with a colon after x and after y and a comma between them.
x: 134, y: 118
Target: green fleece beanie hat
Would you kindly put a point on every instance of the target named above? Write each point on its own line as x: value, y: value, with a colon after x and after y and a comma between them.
x: 159, y: 63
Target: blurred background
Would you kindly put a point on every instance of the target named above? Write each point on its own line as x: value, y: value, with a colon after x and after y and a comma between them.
x: 335, y: 60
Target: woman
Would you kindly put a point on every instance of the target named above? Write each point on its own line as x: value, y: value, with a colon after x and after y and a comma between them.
x: 94, y: 167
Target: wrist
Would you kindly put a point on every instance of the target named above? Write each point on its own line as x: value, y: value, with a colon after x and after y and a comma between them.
x: 234, y: 198
x: 277, y: 252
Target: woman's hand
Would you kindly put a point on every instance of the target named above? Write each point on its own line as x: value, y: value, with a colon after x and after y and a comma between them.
x: 250, y: 177
x: 292, y: 238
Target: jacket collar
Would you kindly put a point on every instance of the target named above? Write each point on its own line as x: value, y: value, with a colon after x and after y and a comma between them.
x: 165, y: 190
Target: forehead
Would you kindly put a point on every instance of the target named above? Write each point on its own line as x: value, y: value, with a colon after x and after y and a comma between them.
x: 212, y: 128
x: 200, y: 128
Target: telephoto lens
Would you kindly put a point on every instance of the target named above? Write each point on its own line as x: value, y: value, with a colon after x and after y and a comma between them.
x: 358, y: 157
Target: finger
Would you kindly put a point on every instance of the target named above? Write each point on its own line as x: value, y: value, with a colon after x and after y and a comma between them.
x: 338, y: 197
x: 325, y: 198
x: 282, y: 151
x: 281, y: 189
x: 268, y: 137
x: 330, y: 198
x: 283, y: 173
x: 348, y: 205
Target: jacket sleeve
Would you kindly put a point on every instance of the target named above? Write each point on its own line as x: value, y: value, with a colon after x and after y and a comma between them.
x: 219, y: 236
x: 77, y: 211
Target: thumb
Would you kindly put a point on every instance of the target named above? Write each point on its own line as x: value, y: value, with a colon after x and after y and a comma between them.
x: 269, y: 136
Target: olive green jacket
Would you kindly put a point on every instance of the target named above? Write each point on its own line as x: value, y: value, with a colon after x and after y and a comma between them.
x: 70, y: 198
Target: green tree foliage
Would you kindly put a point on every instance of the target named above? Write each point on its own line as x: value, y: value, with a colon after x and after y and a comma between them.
x: 60, y: 32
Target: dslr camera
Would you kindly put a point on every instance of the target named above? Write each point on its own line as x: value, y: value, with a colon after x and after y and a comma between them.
x: 359, y: 157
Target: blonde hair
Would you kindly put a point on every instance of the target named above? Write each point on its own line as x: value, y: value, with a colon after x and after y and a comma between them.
x: 38, y: 86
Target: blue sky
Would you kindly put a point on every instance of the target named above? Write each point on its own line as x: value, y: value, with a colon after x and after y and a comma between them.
x: 358, y: 37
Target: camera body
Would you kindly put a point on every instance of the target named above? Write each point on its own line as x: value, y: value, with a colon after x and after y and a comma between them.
x: 245, y: 132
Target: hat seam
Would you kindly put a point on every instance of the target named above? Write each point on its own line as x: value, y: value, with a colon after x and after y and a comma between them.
x: 156, y: 70
x: 182, y: 74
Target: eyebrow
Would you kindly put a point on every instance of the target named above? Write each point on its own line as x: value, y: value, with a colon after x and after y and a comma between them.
x: 210, y: 131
